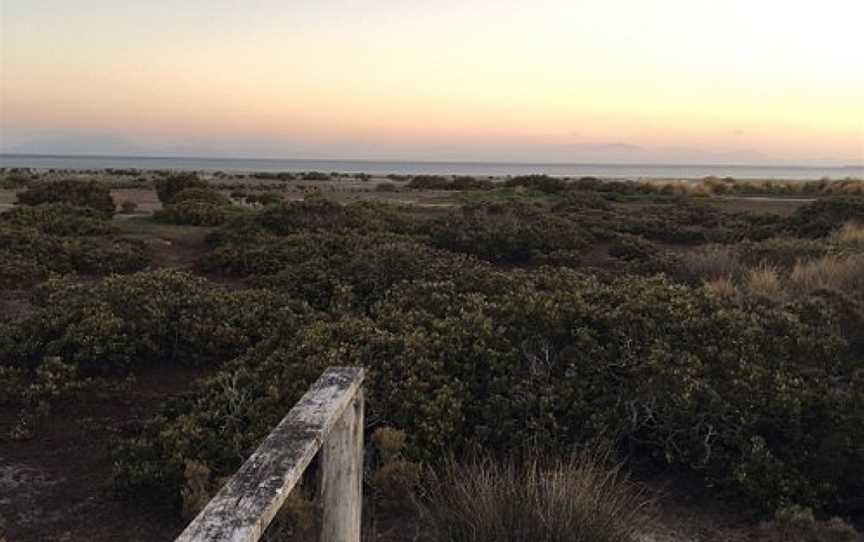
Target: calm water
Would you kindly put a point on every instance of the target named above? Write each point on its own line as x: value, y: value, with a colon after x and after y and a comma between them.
x: 442, y: 168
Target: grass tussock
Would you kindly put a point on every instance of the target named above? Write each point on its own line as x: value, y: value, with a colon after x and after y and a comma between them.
x: 852, y: 233
x: 711, y: 262
x: 765, y: 281
x: 713, y: 186
x: 723, y: 288
x: 845, y: 274
x: 573, y: 500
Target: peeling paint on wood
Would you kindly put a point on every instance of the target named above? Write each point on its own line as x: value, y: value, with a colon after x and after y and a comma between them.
x: 245, y: 506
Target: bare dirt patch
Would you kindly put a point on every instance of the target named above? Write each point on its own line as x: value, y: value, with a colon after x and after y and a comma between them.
x: 57, y: 486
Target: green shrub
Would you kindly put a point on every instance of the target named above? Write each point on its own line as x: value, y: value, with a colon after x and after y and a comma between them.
x: 59, y: 219
x: 471, y: 183
x: 203, y: 195
x: 507, y: 233
x: 428, y: 182
x: 823, y: 216
x: 316, y: 215
x: 553, y: 359
x: 540, y: 183
x: 144, y: 319
x: 386, y: 187
x: 18, y: 271
x: 89, y: 194
x: 631, y: 247
x: 194, y: 213
x: 167, y: 187
x: 91, y: 255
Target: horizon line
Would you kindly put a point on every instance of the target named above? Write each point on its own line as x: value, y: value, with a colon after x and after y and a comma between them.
x: 426, y: 161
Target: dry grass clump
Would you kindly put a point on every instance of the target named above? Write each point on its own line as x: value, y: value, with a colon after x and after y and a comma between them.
x: 574, y: 500
x: 713, y: 186
x: 845, y: 274
x: 722, y: 288
x: 852, y: 233
x: 711, y: 262
x: 764, y: 281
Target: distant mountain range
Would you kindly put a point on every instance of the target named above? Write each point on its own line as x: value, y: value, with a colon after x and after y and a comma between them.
x: 96, y: 144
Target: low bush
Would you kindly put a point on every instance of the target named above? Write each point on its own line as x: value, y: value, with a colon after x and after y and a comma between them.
x: 203, y: 195
x: 386, y: 187
x: 631, y: 247
x: 507, y: 233
x: 168, y: 186
x: 19, y: 271
x: 195, y: 213
x: 143, y: 319
x: 88, y: 255
x: 59, y: 219
x: 315, y: 176
x: 820, y: 218
x: 552, y: 359
x: 428, y: 182
x: 540, y: 183
x: 88, y: 194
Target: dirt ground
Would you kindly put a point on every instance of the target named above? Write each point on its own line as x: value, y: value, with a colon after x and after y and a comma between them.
x: 57, y: 486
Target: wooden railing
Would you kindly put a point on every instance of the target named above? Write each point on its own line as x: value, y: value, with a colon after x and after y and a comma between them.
x: 330, y: 418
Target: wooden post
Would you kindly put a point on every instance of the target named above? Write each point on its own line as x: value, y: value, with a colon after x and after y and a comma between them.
x: 342, y: 476
x: 330, y: 413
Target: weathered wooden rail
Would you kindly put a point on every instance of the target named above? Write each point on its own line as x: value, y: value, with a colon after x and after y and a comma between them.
x: 330, y: 418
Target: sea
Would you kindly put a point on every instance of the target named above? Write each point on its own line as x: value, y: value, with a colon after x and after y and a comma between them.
x: 479, y: 169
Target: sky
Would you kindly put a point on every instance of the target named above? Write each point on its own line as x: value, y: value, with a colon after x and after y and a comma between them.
x: 558, y: 80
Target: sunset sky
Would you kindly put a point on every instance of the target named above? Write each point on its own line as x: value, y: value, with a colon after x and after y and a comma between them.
x: 437, y: 79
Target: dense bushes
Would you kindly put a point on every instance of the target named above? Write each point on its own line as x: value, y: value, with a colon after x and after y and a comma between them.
x: 19, y: 271
x: 459, y: 182
x: 88, y: 255
x: 469, y: 342
x: 509, y: 233
x: 189, y: 201
x: 63, y: 235
x: 541, y: 183
x: 169, y: 186
x: 141, y: 319
x: 194, y: 213
x: 825, y: 215
x: 552, y: 358
x: 204, y: 195
x: 58, y: 219
x: 90, y: 194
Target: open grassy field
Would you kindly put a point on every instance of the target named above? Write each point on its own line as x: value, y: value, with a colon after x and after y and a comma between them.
x: 707, y: 338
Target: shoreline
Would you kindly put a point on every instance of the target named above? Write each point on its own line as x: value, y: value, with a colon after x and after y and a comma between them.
x: 489, y: 170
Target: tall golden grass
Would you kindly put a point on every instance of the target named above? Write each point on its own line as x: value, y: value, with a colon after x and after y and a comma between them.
x: 845, y: 274
x: 852, y: 233
x: 764, y: 281
x: 577, y: 500
x: 834, y: 272
x: 712, y: 186
x: 723, y: 288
